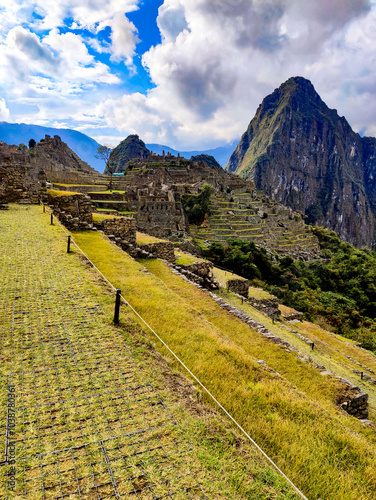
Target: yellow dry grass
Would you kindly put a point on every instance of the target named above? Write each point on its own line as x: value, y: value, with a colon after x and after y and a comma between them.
x: 145, y: 239
x: 55, y: 193
x: 291, y: 413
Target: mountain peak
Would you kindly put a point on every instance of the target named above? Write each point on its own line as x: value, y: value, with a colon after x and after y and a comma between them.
x: 303, y: 154
x: 132, y: 147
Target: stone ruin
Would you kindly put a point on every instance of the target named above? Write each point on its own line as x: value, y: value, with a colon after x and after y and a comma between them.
x: 74, y: 211
x: 238, y: 286
x: 154, y: 188
x: 20, y: 179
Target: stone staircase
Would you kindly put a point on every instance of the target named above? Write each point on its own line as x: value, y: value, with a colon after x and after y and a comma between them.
x: 253, y: 217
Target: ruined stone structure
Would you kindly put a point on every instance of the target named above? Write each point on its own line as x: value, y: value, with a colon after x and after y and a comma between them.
x: 239, y: 286
x: 200, y: 273
x: 160, y: 250
x: 161, y: 218
x: 59, y: 162
x: 123, y: 229
x: 270, y: 307
x: 20, y: 179
x: 155, y: 188
x: 74, y: 211
x: 357, y: 406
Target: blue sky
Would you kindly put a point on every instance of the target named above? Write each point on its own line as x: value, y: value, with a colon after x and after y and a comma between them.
x: 185, y: 73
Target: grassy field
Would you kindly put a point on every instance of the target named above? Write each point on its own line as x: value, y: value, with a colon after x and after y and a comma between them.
x: 286, y: 405
x: 99, y: 413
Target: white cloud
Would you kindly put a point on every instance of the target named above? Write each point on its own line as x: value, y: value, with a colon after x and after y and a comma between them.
x: 219, y: 58
x: 4, y: 111
x: 91, y: 15
x: 56, y: 65
x: 124, y: 38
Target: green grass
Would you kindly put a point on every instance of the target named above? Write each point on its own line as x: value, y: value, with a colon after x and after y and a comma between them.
x: 108, y: 191
x: 292, y: 414
x: 185, y: 259
x: 104, y: 363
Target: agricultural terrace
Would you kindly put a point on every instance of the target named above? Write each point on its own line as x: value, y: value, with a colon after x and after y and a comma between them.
x: 92, y: 411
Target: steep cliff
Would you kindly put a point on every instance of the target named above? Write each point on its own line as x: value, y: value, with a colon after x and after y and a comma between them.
x: 130, y: 149
x: 304, y: 155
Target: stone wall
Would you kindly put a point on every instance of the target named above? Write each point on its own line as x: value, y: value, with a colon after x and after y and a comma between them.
x: 162, y: 219
x: 160, y: 250
x: 241, y: 287
x: 200, y: 273
x: 74, y: 211
x: 123, y: 230
x: 80, y: 188
x: 20, y: 180
x: 62, y: 177
x: 357, y: 406
x: 267, y: 306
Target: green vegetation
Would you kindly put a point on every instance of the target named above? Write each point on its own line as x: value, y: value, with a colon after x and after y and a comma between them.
x: 197, y: 206
x: 208, y: 159
x: 339, y: 292
x: 184, y: 259
x: 146, y: 239
x: 100, y: 217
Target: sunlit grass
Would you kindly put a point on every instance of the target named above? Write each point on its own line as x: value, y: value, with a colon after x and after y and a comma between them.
x: 54, y: 193
x: 292, y: 414
x: 93, y: 369
x: 145, y: 239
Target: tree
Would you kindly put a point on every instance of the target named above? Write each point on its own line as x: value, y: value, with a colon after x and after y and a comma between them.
x: 32, y: 143
x: 104, y: 153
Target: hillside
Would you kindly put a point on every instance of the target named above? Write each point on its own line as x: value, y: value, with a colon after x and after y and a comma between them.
x: 130, y: 149
x: 284, y: 402
x: 85, y: 147
x: 304, y: 155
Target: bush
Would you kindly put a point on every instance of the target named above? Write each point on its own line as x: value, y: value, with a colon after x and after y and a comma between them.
x: 197, y: 206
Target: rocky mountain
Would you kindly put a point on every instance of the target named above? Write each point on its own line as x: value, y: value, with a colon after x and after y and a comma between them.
x: 51, y: 154
x: 208, y: 159
x: 85, y: 147
x: 131, y: 148
x: 304, y: 155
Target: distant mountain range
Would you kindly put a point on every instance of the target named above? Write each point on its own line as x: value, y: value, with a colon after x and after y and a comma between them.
x: 304, y: 155
x: 86, y: 147
x: 221, y: 154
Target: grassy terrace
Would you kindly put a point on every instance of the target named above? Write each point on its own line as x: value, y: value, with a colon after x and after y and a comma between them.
x: 291, y: 413
x: 99, y: 414
x: 55, y: 193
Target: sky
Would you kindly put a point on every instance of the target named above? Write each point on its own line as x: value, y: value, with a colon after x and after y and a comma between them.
x: 189, y: 74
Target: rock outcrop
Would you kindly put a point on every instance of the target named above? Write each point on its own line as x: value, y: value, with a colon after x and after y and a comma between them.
x: 131, y: 148
x: 304, y: 155
x: 56, y: 158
